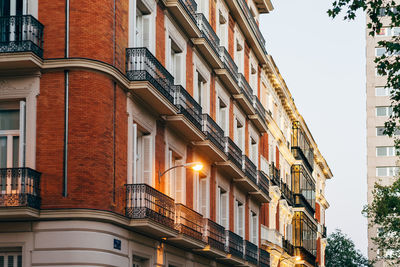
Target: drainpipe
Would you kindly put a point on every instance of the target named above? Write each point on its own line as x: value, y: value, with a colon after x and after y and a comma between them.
x: 66, y: 104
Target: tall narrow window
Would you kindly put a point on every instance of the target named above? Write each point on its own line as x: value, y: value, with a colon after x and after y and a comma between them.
x: 199, y: 90
x: 142, y: 164
x: 223, y: 29
x: 202, y: 7
x: 223, y: 207
x: 175, y: 61
x: 223, y: 113
x: 176, y: 178
x: 239, y: 134
x: 254, y: 227
x: 203, y: 197
x: 143, y: 29
x: 253, y: 78
x: 239, y: 57
x: 239, y: 224
x: 253, y: 151
x: 11, y: 257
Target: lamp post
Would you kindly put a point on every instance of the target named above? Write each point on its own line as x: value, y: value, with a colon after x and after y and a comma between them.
x: 196, y: 166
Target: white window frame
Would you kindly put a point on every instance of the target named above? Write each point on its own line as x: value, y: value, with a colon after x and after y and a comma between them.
x: 150, y: 6
x: 200, y: 68
x: 390, y: 171
x: 223, y: 25
x: 253, y: 227
x: 222, y: 218
x: 138, y: 161
x: 241, y: 232
x: 390, y: 151
x: 388, y: 111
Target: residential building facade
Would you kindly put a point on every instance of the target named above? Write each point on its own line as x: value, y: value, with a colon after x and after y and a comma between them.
x: 104, y: 107
x: 382, y: 162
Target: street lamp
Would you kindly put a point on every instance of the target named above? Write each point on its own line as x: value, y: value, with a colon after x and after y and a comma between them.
x: 195, y: 166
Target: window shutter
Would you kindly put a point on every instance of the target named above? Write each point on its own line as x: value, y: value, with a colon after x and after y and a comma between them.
x: 203, y: 197
x: 196, y: 86
x: 196, y: 192
x: 147, y: 159
x: 219, y: 205
x: 178, y: 68
x: 223, y: 120
x: 236, y: 217
x: 147, y: 31
x: 171, y: 176
x: 241, y: 220
x: 224, y: 209
x: 179, y: 184
x: 22, y: 133
x: 254, y: 225
x: 134, y: 153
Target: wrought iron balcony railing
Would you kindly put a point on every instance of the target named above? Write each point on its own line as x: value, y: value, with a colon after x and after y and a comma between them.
x: 253, y: 24
x: 305, y: 255
x: 263, y: 182
x: 190, y: 7
x: 259, y: 107
x: 287, y: 193
x: 245, y: 88
x: 19, y: 187
x: 208, y: 32
x: 214, y: 234
x: 324, y: 231
x: 21, y: 34
x: 142, y: 65
x: 274, y: 174
x: 249, y: 169
x: 287, y: 246
x: 234, y: 244
x: 145, y: 202
x: 250, y: 252
x: 265, y: 258
x: 188, y: 106
x: 233, y: 152
x: 189, y: 222
x: 213, y: 132
x: 229, y: 63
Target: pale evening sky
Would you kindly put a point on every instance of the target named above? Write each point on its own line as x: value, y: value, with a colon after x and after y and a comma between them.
x: 323, y: 63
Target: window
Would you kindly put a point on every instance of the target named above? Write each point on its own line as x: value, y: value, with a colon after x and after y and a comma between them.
x: 203, y: 193
x: 239, y: 56
x: 253, y: 151
x: 383, y: 111
x: 142, y: 156
x: 254, y: 227
x: 202, y: 7
x: 223, y: 28
x: 199, y: 90
x: 10, y: 257
x: 239, y: 217
x: 386, y: 171
x: 380, y: 131
x: 143, y: 29
x: 175, y: 61
x: 383, y: 151
x: 223, y: 208
x: 223, y: 116
x: 176, y: 178
x: 253, y: 78
x: 239, y: 134
x: 382, y: 91
x: 380, y: 51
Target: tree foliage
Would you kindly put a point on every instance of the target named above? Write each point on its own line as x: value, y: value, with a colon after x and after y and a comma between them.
x: 341, y: 251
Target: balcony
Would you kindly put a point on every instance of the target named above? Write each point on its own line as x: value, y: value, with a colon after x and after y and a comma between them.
x: 305, y: 255
x: 233, y: 166
x: 271, y: 237
x: 274, y: 174
x: 301, y: 147
x: 189, y: 119
x: 208, y: 44
x: 214, y: 146
x: 287, y: 193
x: 190, y: 226
x: 303, y: 187
x: 263, y: 183
x: 287, y: 246
x: 152, y: 82
x: 234, y: 244
x: 22, y: 35
x: 259, y: 119
x: 229, y: 73
x: 250, y: 252
x: 184, y: 11
x: 151, y: 211
x: 214, y: 236
x: 264, y: 258
x: 305, y: 236
x: 245, y: 98
x: 249, y: 169
x: 19, y: 193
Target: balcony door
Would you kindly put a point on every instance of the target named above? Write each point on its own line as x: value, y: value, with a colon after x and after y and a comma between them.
x: 11, y: 30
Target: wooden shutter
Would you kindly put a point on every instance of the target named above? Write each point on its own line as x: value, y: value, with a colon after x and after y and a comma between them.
x: 219, y: 205
x: 203, y: 197
x: 241, y: 220
x: 224, y: 209
x: 147, y: 31
x: 180, y: 184
x: 254, y: 228
x: 223, y: 112
x: 134, y: 153
x: 147, y: 157
x: 22, y: 133
x: 178, y: 68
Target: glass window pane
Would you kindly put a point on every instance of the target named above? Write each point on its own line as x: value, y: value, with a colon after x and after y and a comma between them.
x: 9, y: 119
x: 15, y: 151
x: 3, y: 151
x: 381, y: 111
x: 396, y: 31
x: 380, y: 91
x: 381, y: 171
x: 381, y: 151
x: 380, y: 51
x: 379, y: 131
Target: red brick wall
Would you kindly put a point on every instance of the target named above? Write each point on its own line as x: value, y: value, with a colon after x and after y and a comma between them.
x: 264, y: 214
x: 212, y: 97
x: 317, y: 212
x: 121, y: 33
x: 318, y: 260
x: 160, y: 34
x: 277, y: 157
x: 160, y: 154
x: 189, y: 69
x: 231, y: 119
x: 231, y: 37
x: 246, y: 61
x: 246, y: 138
x: 213, y: 16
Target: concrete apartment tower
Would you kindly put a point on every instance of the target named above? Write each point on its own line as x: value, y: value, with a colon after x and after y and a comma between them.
x: 382, y: 162
x: 105, y: 108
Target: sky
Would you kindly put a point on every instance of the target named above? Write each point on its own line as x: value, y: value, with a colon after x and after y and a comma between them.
x: 323, y: 63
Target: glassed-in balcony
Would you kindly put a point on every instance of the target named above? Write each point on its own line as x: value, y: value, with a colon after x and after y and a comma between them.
x: 21, y: 34
x: 303, y: 187
x: 250, y: 252
x: 274, y: 174
x: 189, y: 222
x: 19, y: 187
x: 249, y: 169
x: 301, y: 147
x: 214, y: 234
x: 234, y: 244
x: 304, y: 237
x: 264, y: 258
x: 188, y: 106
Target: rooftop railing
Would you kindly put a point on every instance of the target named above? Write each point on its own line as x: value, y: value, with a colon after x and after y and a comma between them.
x: 21, y: 34
x: 142, y: 65
x: 19, y: 187
x: 188, y: 106
x: 213, y: 132
x: 228, y: 63
x: 208, y: 32
x: 214, y: 234
x: 234, y: 244
x: 189, y: 222
x: 249, y: 169
x: 145, y: 202
x: 233, y: 152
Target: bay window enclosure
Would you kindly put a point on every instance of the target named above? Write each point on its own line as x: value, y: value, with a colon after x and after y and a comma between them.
x: 303, y: 187
x: 301, y: 147
x: 305, y: 237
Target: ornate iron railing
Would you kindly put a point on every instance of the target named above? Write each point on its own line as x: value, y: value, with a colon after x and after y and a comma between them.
x: 145, y: 202
x: 274, y: 174
x: 142, y: 65
x: 189, y: 222
x: 214, y: 234
x: 229, y: 63
x: 287, y: 193
x: 207, y: 32
x: 213, y: 132
x: 264, y: 258
x: 245, y: 88
x: 19, y: 187
x: 249, y: 169
x: 234, y: 244
x: 263, y: 182
x: 259, y: 107
x: 190, y: 7
x: 253, y: 24
x: 324, y: 231
x: 21, y: 34
x: 233, y: 152
x: 188, y: 106
x: 251, y: 252
x: 287, y: 246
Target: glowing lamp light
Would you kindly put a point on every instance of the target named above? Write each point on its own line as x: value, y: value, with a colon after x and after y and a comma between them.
x: 298, y: 258
x: 197, y: 167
